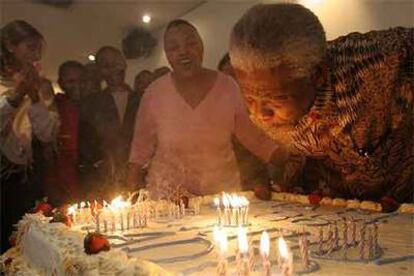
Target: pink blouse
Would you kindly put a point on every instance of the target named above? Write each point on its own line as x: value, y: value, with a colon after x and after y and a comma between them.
x: 191, y: 149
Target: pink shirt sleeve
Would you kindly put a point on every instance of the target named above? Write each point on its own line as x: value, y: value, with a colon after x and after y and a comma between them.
x: 253, y: 138
x: 145, y: 137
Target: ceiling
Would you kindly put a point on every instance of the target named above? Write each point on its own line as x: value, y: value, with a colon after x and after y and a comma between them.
x: 79, y: 29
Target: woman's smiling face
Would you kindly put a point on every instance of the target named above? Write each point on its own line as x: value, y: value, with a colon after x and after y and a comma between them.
x: 184, y: 49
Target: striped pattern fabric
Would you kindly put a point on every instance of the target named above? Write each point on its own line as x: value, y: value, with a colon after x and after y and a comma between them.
x: 358, y: 136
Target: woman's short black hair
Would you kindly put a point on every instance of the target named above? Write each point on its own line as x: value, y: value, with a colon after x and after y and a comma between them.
x: 179, y: 22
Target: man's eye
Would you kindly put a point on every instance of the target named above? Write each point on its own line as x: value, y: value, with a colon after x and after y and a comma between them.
x: 280, y: 97
x: 171, y: 48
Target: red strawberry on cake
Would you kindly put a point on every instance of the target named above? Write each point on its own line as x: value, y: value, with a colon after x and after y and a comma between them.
x: 315, y: 198
x: 44, y: 207
x: 95, y: 243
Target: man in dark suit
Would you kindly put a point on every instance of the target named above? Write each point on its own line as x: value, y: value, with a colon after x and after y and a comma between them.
x: 107, y: 120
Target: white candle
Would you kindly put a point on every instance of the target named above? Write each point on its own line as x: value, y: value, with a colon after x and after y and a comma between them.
x: 216, y: 234
x: 264, y: 252
x: 223, y: 246
x: 82, y: 217
x: 285, y: 258
x: 244, y: 266
x: 88, y: 212
x: 217, y: 204
x: 121, y: 215
x: 72, y: 213
x: 227, y: 214
x: 246, y: 210
x: 98, y: 223
x: 113, y: 221
x: 182, y: 207
x: 128, y: 218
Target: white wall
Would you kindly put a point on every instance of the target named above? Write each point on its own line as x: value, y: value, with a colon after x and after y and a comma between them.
x: 214, y: 21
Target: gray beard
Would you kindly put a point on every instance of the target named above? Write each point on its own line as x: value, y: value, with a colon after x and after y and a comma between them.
x: 281, y: 134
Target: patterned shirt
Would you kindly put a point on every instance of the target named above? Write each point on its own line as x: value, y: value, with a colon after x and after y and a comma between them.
x: 358, y: 137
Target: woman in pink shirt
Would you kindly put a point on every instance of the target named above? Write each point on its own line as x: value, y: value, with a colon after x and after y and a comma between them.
x: 185, y: 122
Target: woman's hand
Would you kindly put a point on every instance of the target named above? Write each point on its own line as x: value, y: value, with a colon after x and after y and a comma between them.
x: 29, y: 84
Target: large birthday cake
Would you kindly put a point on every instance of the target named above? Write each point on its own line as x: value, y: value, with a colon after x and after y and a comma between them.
x: 334, y: 236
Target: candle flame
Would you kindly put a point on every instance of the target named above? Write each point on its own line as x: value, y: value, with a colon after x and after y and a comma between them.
x: 244, y: 201
x: 283, y: 248
x: 216, y: 234
x: 225, y: 200
x: 119, y: 203
x: 223, y: 242
x: 232, y: 201
x: 71, y: 209
x: 264, y: 244
x: 216, y: 202
x: 82, y: 204
x: 242, y: 238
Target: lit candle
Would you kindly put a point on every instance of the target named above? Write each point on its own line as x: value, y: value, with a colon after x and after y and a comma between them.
x: 128, y: 218
x: 216, y: 238
x: 244, y: 265
x: 217, y: 204
x: 245, y: 203
x: 285, y: 258
x: 182, y: 206
x: 264, y: 252
x: 235, y: 209
x: 105, y: 215
x: 223, y: 245
x: 72, y: 213
x: 88, y: 212
x: 227, y: 214
x: 98, y: 222
x: 82, y: 217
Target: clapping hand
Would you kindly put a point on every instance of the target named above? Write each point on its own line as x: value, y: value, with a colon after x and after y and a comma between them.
x: 29, y: 84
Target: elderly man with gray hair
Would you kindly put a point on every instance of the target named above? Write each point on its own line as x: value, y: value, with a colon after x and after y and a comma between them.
x: 344, y: 108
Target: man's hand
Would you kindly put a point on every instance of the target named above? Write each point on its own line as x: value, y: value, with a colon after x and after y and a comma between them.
x: 279, y: 156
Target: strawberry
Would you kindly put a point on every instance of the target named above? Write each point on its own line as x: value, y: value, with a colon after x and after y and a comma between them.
x: 8, y: 261
x: 389, y: 204
x: 262, y: 192
x: 44, y: 207
x: 95, y: 243
x: 314, y: 198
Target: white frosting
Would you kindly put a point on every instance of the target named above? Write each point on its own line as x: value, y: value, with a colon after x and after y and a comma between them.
x: 54, y: 249
x: 35, y: 242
